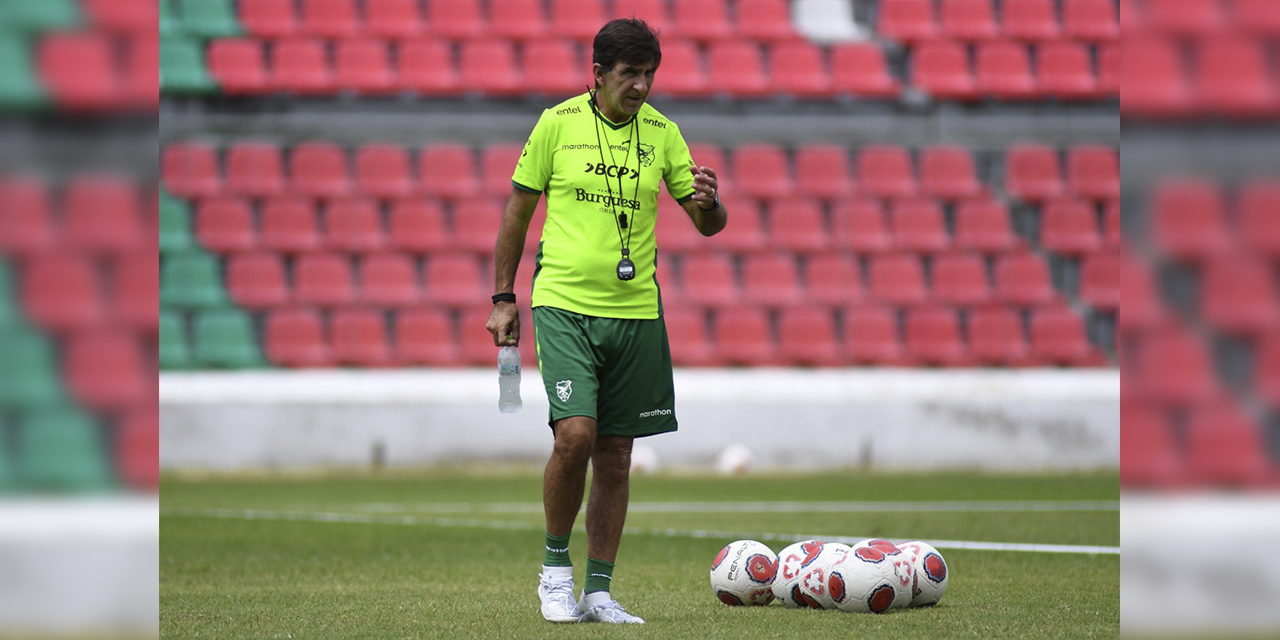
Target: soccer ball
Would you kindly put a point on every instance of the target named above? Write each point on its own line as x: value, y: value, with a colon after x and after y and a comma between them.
x: 743, y: 572
x: 931, y: 575
x: 813, y: 581
x: 793, y: 560
x: 868, y: 579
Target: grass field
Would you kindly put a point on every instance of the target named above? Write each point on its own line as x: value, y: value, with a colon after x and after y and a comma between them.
x: 455, y: 553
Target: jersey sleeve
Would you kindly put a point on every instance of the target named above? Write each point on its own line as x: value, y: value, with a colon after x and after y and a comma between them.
x: 678, y: 177
x: 533, y: 169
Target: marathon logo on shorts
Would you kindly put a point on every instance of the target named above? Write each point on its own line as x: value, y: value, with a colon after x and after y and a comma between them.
x: 656, y: 412
x: 600, y: 198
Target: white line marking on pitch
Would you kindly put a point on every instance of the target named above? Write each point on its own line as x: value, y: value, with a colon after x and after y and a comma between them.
x: 761, y: 507
x: 364, y: 518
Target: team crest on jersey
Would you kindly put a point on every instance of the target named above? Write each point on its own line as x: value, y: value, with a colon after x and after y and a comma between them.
x: 564, y: 389
x: 645, y: 152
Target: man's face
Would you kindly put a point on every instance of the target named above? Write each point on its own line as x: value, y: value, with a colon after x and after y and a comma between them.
x: 626, y: 86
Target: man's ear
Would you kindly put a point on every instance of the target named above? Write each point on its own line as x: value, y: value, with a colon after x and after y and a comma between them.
x: 597, y: 72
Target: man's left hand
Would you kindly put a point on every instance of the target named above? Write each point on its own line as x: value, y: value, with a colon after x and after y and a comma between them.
x: 704, y: 186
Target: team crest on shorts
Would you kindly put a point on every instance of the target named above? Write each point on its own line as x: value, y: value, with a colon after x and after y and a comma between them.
x: 564, y: 389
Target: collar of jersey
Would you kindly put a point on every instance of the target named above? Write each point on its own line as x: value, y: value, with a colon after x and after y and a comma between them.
x: 592, y: 101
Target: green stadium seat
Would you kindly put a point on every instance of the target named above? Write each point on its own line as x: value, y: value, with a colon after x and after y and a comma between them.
x: 28, y: 370
x: 6, y: 463
x: 191, y: 279
x: 210, y: 18
x: 19, y: 88
x: 62, y: 450
x: 40, y: 15
x: 8, y: 313
x: 175, y: 224
x: 170, y: 24
x: 225, y: 338
x: 174, y: 352
x: 182, y: 67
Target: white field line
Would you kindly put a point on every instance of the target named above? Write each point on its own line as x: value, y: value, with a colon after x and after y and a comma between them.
x: 758, y: 507
x: 364, y: 518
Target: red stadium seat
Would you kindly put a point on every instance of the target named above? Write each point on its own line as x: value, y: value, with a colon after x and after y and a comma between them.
x: 1256, y: 16
x: 1090, y: 20
x: 551, y: 67
x: 127, y: 16
x: 709, y: 280
x: 1069, y: 226
x: 296, y: 338
x: 363, y: 65
x: 323, y: 279
x: 1100, y: 280
x: 1093, y: 171
x: 393, y: 19
x: 289, y: 224
x: 301, y: 66
x: 764, y: 20
x: 738, y: 68
x: 190, y: 169
x: 933, y: 337
x: 26, y: 216
x: 426, y: 66
x: 1109, y: 70
x: 330, y: 18
x: 1185, y: 17
x: 1113, y: 232
x: 1058, y: 337
x: 770, y: 279
x: 807, y: 337
x: 1267, y: 367
x: 701, y: 20
x: 832, y: 279
x: 885, y: 171
x: 255, y: 169
x: 1149, y: 455
x: 225, y: 224
x: 918, y: 224
x: 898, y: 279
x: 675, y: 231
x: 983, y: 224
x: 142, y: 84
x: 1066, y: 72
x: 1153, y: 77
x: 101, y: 214
x: 796, y: 225
x: 969, y: 19
x: 104, y: 370
x: 447, y: 170
x: 389, y: 279
x: 1023, y: 278
x: 454, y: 279
x: 477, y: 343
x: 742, y: 337
x: 417, y: 225
x: 257, y: 280
x: 860, y: 225
x: 762, y: 171
x: 871, y: 335
x: 360, y: 337
x: 425, y: 336
x: 960, y: 279
x: 78, y: 70
x: 1030, y: 20
x: 907, y: 20
x: 135, y: 291
x: 948, y: 172
x: 682, y: 71
x: 498, y: 165
x: 239, y: 65
x: 1226, y: 447
x: 1033, y: 172
x: 941, y: 69
x: 457, y: 19
x: 577, y: 19
x: 860, y: 69
x: 489, y: 66
x: 382, y: 170
x: 797, y: 69
x: 653, y: 12
x: 353, y: 224
x: 1259, y: 226
x: 1232, y: 76
x: 1142, y: 305
x: 1238, y: 294
x: 517, y: 19
x: 475, y: 224
x: 710, y: 155
x: 138, y: 448
x: 745, y: 234
x: 319, y: 169
x: 1188, y: 219
x: 995, y: 336
x: 269, y: 18
x: 687, y: 332
x: 1004, y: 71
x: 822, y: 171
x: 59, y: 291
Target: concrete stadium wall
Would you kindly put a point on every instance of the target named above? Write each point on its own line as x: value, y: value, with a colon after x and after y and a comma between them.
x: 790, y: 419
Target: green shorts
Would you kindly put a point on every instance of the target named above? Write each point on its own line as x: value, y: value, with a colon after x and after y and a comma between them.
x: 614, y: 370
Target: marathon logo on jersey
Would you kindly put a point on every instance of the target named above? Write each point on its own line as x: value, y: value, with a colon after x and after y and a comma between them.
x: 612, y: 170
x: 568, y: 110
x: 601, y: 198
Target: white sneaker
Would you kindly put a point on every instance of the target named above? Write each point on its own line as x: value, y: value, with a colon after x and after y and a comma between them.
x: 556, y: 593
x: 607, y: 611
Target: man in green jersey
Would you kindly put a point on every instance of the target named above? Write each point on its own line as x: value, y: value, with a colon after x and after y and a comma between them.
x: 597, y: 309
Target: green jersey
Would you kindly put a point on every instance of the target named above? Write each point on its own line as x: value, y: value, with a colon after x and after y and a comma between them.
x: 600, y: 199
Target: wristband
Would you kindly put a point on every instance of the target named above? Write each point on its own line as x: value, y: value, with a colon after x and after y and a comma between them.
x: 504, y: 297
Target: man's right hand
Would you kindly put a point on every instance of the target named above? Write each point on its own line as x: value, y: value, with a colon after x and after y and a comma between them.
x: 504, y: 324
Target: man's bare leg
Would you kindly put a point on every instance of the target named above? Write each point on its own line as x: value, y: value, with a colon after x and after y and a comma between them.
x: 566, y: 474
x: 610, y: 491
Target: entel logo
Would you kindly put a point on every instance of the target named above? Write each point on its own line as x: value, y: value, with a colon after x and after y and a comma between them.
x: 569, y: 110
x: 656, y: 412
x: 654, y: 123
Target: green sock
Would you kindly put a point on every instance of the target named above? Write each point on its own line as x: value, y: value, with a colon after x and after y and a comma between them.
x: 557, y: 551
x: 599, y: 575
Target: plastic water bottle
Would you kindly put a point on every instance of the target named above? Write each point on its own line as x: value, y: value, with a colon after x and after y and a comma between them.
x: 509, y: 380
